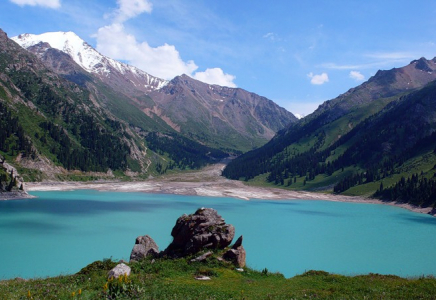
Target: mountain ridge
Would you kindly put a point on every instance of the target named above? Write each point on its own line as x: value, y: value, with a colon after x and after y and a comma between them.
x: 90, y: 59
x: 242, y: 121
x: 376, y: 133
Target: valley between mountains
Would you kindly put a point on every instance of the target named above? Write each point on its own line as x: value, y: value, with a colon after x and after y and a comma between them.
x: 209, y: 182
x: 68, y: 113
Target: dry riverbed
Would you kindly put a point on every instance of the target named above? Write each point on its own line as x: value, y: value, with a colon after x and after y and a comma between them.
x: 205, y: 182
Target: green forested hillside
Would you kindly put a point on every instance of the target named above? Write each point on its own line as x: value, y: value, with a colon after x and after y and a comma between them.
x: 45, y: 115
x: 367, y: 148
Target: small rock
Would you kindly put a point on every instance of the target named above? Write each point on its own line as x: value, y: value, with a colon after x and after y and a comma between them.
x: 19, y: 279
x: 119, y: 270
x: 202, y: 257
x: 202, y: 278
x: 239, y: 269
x: 238, y: 243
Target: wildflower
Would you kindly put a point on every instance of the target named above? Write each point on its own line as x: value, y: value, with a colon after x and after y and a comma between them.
x: 105, y: 287
x: 80, y: 292
x: 73, y: 294
x: 29, y: 295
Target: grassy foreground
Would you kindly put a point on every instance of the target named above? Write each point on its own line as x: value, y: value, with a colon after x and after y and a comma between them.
x: 175, y: 279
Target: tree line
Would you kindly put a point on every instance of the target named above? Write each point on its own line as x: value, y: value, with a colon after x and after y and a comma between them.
x: 184, y: 153
x: 417, y: 190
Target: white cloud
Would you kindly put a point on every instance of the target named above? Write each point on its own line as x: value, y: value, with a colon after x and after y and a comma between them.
x: 271, y: 36
x: 391, y: 55
x: 162, y: 61
x: 318, y: 79
x: 341, y: 67
x: 215, y: 76
x: 298, y: 116
x: 378, y: 60
x: 46, y: 3
x: 356, y: 75
x: 129, y: 9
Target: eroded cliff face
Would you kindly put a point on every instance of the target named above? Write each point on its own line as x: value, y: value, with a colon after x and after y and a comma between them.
x: 11, y: 183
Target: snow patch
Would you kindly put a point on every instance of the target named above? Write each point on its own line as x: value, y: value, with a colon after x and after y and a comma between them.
x: 86, y: 56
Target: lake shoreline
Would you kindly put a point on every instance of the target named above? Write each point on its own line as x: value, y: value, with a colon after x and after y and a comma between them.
x: 207, y: 182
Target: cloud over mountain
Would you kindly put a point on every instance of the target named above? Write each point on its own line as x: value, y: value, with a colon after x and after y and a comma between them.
x: 162, y: 61
x: 215, y: 76
x: 356, y: 75
x: 129, y: 9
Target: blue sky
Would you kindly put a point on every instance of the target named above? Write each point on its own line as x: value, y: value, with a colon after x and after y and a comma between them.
x: 296, y: 53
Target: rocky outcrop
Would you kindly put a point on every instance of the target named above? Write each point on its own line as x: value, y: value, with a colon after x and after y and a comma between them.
x: 144, y: 246
x: 237, y: 254
x: 205, y: 229
x: 196, y: 233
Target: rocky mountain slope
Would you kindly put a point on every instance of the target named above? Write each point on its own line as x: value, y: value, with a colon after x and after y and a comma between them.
x: 220, y: 115
x: 229, y: 119
x: 105, y: 68
x: 51, y: 126
x: 365, y: 139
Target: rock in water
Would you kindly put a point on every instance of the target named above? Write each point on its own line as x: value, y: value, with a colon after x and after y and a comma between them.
x: 203, y: 229
x: 119, y: 270
x: 144, y: 246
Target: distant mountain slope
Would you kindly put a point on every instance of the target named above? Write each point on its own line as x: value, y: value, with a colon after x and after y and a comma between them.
x: 230, y: 119
x: 384, y: 84
x: 378, y: 131
x: 220, y: 115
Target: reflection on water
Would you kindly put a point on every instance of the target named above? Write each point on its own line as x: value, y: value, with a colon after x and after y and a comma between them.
x: 61, y: 232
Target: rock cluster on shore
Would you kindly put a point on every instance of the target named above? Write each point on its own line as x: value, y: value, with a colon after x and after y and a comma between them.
x: 192, y: 234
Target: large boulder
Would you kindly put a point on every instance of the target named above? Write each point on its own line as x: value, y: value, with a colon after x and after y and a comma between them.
x: 144, y: 246
x: 196, y: 232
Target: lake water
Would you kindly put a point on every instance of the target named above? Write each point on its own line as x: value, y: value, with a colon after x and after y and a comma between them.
x: 61, y: 232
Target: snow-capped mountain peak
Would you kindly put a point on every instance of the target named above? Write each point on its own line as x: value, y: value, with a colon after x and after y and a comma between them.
x: 90, y: 59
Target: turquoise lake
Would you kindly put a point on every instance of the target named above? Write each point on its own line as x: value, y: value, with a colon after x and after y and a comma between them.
x: 61, y: 232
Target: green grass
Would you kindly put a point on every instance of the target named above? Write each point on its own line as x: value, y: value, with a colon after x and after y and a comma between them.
x: 321, y: 183
x: 175, y: 279
x: 424, y: 162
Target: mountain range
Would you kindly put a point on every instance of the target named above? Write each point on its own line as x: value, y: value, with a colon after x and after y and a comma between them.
x: 224, y: 118
x: 70, y: 112
x: 372, y: 140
